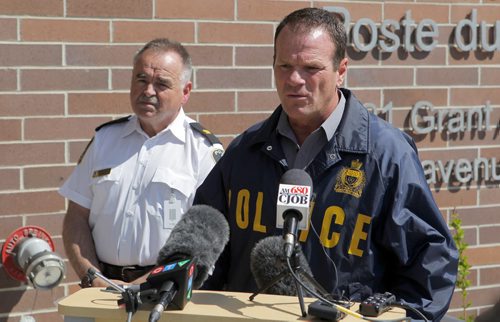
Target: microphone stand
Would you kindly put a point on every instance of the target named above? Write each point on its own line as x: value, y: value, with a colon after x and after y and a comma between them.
x: 295, y: 263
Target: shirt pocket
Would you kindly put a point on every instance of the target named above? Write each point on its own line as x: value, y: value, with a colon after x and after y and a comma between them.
x: 106, y: 190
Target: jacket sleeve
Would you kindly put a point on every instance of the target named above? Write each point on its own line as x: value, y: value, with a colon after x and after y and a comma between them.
x: 212, y: 192
x: 424, y: 268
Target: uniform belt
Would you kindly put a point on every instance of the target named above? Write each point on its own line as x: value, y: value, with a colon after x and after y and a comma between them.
x: 124, y: 273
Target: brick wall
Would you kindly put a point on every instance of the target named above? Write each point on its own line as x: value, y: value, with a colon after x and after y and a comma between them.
x: 65, y: 68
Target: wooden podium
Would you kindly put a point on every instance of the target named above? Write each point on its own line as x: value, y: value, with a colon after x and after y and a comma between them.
x: 95, y: 305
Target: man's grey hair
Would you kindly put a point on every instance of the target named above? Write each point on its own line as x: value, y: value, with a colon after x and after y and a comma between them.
x: 165, y: 45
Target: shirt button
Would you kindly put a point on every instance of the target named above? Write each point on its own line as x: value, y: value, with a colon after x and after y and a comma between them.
x: 269, y: 148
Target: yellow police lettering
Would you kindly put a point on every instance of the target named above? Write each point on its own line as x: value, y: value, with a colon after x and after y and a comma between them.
x: 333, y: 240
x: 359, y: 234
x: 257, y: 225
x: 242, y: 208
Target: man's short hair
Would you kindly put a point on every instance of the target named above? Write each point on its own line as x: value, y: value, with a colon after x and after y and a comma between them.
x: 308, y: 19
x: 165, y: 45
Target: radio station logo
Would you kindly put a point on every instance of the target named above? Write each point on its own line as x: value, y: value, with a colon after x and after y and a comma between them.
x: 294, y: 195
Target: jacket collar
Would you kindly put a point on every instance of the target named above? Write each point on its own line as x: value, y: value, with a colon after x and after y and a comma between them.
x: 351, y: 136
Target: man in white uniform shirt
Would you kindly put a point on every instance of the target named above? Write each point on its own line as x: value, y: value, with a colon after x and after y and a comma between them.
x: 139, y: 174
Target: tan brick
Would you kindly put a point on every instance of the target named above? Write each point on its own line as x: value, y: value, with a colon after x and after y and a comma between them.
x: 24, y: 300
x: 358, y: 58
x: 463, y: 197
x: 448, y: 154
x: 267, y: 10
x: 76, y: 149
x: 490, y: 152
x: 45, y: 177
x: 489, y: 235
x: 483, y: 138
x: 103, y: 55
x: 231, y: 123
x: 207, y: 102
x: 489, y: 195
x: 61, y: 128
x: 209, y: 32
x: 11, y: 130
x: 32, y: 7
x: 226, y: 140
x: 98, y: 103
x: 436, y: 12
x: 477, y: 57
x: 357, y: 10
x: 30, y: 55
x: 431, y: 140
x: 8, y: 29
x: 447, y: 76
x: 482, y: 215
x: 31, y: 104
x: 8, y: 80
x: 490, y: 275
x: 10, y: 181
x: 120, y: 79
x: 142, y: 32
x: 5, y: 279
x: 254, y: 56
x: 195, y: 9
x: 64, y: 30
x: 52, y: 223
x: 380, y: 77
x: 7, y: 226
x: 408, y: 97
x: 21, y: 203
x: 206, y: 55
x: 233, y: 78
x: 112, y: 9
x: 64, y: 79
x: 488, y: 13
x: 372, y: 96
x: 258, y: 101
x: 490, y: 75
x: 31, y: 153
x: 488, y: 255
x: 480, y: 297
x: 437, y: 57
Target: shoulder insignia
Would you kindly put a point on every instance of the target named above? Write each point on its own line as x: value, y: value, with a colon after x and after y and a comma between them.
x: 119, y: 120
x: 85, y: 150
x: 351, y: 180
x: 209, y: 135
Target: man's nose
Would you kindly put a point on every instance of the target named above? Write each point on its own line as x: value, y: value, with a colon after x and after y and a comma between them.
x: 296, y: 77
x: 149, y: 90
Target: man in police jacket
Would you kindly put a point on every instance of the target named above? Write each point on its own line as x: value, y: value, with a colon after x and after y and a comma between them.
x: 372, y: 210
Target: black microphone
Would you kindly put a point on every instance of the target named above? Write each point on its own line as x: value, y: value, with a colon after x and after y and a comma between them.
x: 188, y: 256
x: 292, y: 206
x: 267, y: 262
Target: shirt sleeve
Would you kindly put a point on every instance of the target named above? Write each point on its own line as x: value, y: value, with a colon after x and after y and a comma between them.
x: 424, y: 269
x: 78, y: 186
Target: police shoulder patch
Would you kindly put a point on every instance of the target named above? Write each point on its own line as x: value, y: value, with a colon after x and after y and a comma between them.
x: 351, y: 180
x: 119, y: 120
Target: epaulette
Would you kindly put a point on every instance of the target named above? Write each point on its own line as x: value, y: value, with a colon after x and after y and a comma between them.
x: 209, y: 135
x: 85, y: 150
x: 120, y: 120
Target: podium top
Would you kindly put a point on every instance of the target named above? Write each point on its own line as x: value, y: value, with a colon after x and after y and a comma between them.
x: 205, y: 306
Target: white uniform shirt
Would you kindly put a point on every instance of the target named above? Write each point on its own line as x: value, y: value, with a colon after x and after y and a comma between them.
x: 137, y: 187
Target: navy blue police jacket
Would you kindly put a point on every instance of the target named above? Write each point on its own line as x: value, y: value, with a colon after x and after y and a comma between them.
x: 373, y: 212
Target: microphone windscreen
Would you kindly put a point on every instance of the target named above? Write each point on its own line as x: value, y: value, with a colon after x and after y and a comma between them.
x: 296, y: 177
x: 201, y: 233
x: 267, y: 261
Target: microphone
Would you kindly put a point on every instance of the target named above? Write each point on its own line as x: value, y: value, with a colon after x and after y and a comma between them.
x: 267, y: 262
x: 292, y: 206
x: 188, y: 256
